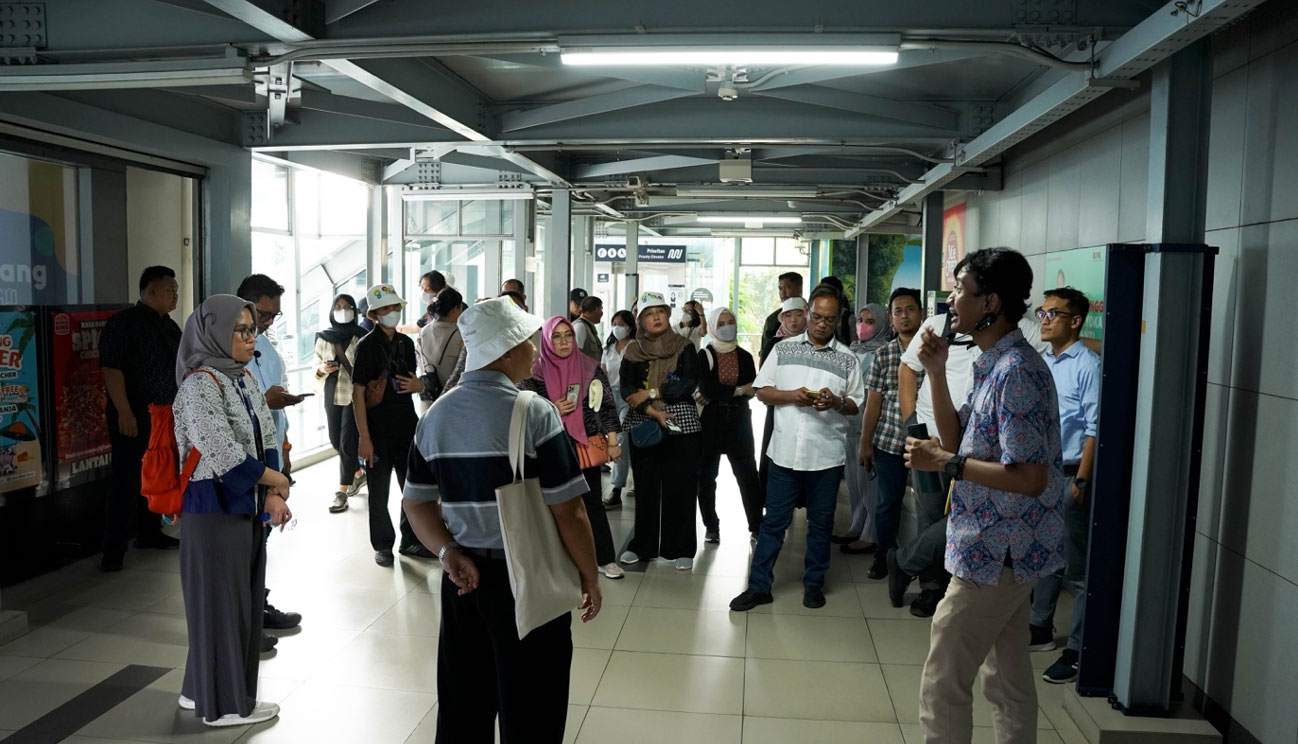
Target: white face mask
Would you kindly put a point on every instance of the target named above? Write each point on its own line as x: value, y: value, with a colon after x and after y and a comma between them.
x: 344, y: 316
x: 621, y: 332
x: 391, y: 320
x: 727, y: 333
x: 428, y: 298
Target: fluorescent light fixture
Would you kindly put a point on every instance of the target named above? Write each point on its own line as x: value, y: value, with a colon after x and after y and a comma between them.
x: 453, y: 195
x: 744, y: 219
x: 731, y: 49
x: 225, y: 70
x: 746, y: 192
x: 589, y: 57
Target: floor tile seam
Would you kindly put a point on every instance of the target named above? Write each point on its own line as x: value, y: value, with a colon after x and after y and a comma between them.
x: 318, y: 679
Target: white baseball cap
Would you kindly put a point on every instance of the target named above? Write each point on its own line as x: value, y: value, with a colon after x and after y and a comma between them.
x: 491, y: 328
x: 381, y: 296
x: 793, y: 303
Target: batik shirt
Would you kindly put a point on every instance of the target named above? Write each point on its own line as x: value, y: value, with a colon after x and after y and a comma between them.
x: 1010, y: 417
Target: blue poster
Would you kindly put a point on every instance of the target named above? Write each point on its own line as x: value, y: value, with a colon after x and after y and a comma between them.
x: 20, y: 418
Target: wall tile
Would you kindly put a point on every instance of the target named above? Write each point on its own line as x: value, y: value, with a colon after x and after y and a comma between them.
x: 1099, y: 170
x: 1230, y: 48
x: 1065, y: 198
x: 1268, y: 479
x: 1035, y: 190
x: 1265, y: 355
x: 1199, y: 623
x: 1272, y: 26
x: 1226, y: 149
x: 1212, y: 465
x: 1225, y: 315
x: 1010, y: 216
x: 1133, y: 191
x: 1271, y: 141
x: 1265, y: 675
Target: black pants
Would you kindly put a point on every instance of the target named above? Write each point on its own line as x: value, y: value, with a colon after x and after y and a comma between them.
x: 483, y: 669
x: 125, y: 506
x: 666, y: 492
x: 342, y: 433
x: 391, y: 447
x: 605, y: 553
x: 728, y: 430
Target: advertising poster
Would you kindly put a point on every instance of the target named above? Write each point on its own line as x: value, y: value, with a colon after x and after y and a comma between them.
x: 894, y: 261
x: 82, y: 448
x: 953, y: 245
x: 20, y: 417
x: 1083, y: 270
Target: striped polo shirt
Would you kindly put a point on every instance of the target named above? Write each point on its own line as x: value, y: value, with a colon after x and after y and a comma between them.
x: 461, y: 456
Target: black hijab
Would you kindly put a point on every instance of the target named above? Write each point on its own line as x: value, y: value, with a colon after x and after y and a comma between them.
x: 342, y: 333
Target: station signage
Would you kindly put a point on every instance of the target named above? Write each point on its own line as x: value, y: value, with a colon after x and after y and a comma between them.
x: 647, y: 253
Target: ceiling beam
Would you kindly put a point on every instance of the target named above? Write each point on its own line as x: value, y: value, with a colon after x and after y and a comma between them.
x: 329, y: 129
x: 667, y: 77
x: 590, y: 106
x: 336, y: 10
x: 794, y: 76
x: 332, y: 103
x: 641, y: 165
x: 883, y: 108
x: 1158, y: 37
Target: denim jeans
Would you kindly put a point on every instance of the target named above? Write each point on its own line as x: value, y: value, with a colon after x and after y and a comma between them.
x: 784, y: 486
x: 892, y: 487
x: 622, y: 466
x: 1077, y: 520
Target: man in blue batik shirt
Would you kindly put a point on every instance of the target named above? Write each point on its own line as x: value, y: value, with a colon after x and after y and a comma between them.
x: 1076, y: 370
x: 1006, y: 528
x: 267, y: 367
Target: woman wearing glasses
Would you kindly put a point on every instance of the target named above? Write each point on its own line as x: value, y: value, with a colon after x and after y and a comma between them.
x: 221, y: 413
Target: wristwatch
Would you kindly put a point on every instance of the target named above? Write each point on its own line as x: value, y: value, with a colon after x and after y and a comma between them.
x: 954, y: 468
x: 1082, y: 484
x: 441, y: 554
x: 653, y: 394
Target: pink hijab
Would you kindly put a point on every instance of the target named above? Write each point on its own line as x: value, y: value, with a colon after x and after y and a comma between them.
x: 558, y: 373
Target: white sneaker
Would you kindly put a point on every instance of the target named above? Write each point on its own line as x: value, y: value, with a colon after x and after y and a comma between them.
x: 684, y: 564
x: 629, y: 558
x: 612, y: 571
x: 261, y: 712
x: 185, y: 703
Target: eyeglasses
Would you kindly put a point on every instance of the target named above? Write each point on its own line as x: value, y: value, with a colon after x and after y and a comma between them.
x: 247, y: 333
x: 1052, y: 314
x: 820, y: 319
x: 265, y: 316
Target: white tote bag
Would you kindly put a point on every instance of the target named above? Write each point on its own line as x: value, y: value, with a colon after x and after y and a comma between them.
x: 543, y: 578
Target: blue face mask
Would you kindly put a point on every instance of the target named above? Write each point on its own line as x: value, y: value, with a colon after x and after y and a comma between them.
x: 727, y: 333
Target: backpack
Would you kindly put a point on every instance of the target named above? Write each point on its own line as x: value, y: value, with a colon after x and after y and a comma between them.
x: 162, y: 481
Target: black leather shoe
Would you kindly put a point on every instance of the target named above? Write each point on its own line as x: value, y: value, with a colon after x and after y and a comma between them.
x: 268, y: 643
x: 614, y: 500
x: 813, y: 597
x: 417, y: 550
x: 384, y: 558
x: 279, y: 620
x: 750, y: 599
x: 898, y: 580
x: 111, y: 562
x: 842, y: 539
x: 926, y: 603
x: 849, y: 550
x: 878, y: 569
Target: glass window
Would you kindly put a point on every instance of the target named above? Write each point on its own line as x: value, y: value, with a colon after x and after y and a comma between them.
x: 306, y: 202
x: 482, y: 217
x: 462, y: 261
x: 344, y: 205
x: 270, y: 196
x: 432, y: 218
x: 757, y: 251
x: 789, y: 252
x: 509, y: 209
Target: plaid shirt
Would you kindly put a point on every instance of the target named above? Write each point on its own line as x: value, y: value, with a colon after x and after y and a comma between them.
x: 882, y: 379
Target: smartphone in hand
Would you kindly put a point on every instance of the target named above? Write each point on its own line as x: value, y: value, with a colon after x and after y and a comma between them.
x: 574, y: 392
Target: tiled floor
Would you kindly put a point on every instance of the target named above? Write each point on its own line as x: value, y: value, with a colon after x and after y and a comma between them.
x: 666, y: 661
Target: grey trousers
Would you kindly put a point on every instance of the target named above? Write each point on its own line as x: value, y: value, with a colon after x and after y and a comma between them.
x: 1078, y: 522
x: 862, y: 491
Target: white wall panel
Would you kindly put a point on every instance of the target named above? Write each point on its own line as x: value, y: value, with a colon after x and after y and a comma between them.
x: 1265, y: 675
x: 1010, y: 216
x: 1099, y: 172
x: 1271, y: 144
x: 1199, y: 624
x: 1133, y: 190
x: 1065, y: 197
x: 1225, y: 313
x: 1265, y: 353
x: 1212, y: 467
x: 1036, y: 191
x: 1271, y: 476
x: 1226, y: 149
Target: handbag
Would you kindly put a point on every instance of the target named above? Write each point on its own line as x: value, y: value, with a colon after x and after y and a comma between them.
x: 593, y: 453
x: 542, y: 576
x: 647, y: 434
x: 433, y: 385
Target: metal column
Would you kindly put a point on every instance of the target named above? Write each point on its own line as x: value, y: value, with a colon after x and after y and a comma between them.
x: 583, y: 255
x: 558, y: 256
x: 862, y: 269
x: 934, y: 205
x: 632, y: 262
x: 1177, y: 293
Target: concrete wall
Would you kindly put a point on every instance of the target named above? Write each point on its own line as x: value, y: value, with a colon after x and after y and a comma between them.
x: 1084, y: 183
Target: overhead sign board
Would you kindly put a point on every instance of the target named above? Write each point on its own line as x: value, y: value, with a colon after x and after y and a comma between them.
x: 646, y: 253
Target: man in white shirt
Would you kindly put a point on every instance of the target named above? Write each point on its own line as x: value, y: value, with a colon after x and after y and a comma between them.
x: 923, y: 557
x: 814, y: 384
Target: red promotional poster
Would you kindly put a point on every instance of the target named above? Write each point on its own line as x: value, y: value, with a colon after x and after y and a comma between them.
x: 953, y: 248
x: 83, y: 451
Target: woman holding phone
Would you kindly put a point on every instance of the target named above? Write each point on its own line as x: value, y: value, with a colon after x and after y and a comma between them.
x: 581, y: 391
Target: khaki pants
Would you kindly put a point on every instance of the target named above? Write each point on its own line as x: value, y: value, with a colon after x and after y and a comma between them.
x: 975, y: 627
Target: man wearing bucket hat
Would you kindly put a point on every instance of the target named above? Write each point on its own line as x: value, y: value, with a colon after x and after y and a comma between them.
x: 483, y: 669
x: 384, y: 379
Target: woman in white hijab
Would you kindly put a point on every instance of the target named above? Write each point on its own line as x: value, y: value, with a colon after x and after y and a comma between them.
x: 726, y: 374
x: 236, y: 487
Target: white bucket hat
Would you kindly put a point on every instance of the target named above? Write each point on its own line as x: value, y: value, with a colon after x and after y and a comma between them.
x: 381, y: 296
x: 650, y: 299
x: 492, y: 328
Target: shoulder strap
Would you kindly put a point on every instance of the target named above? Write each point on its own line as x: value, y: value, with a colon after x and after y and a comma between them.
x: 446, y: 346
x: 711, y: 362
x: 518, y: 432
x: 209, y: 374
